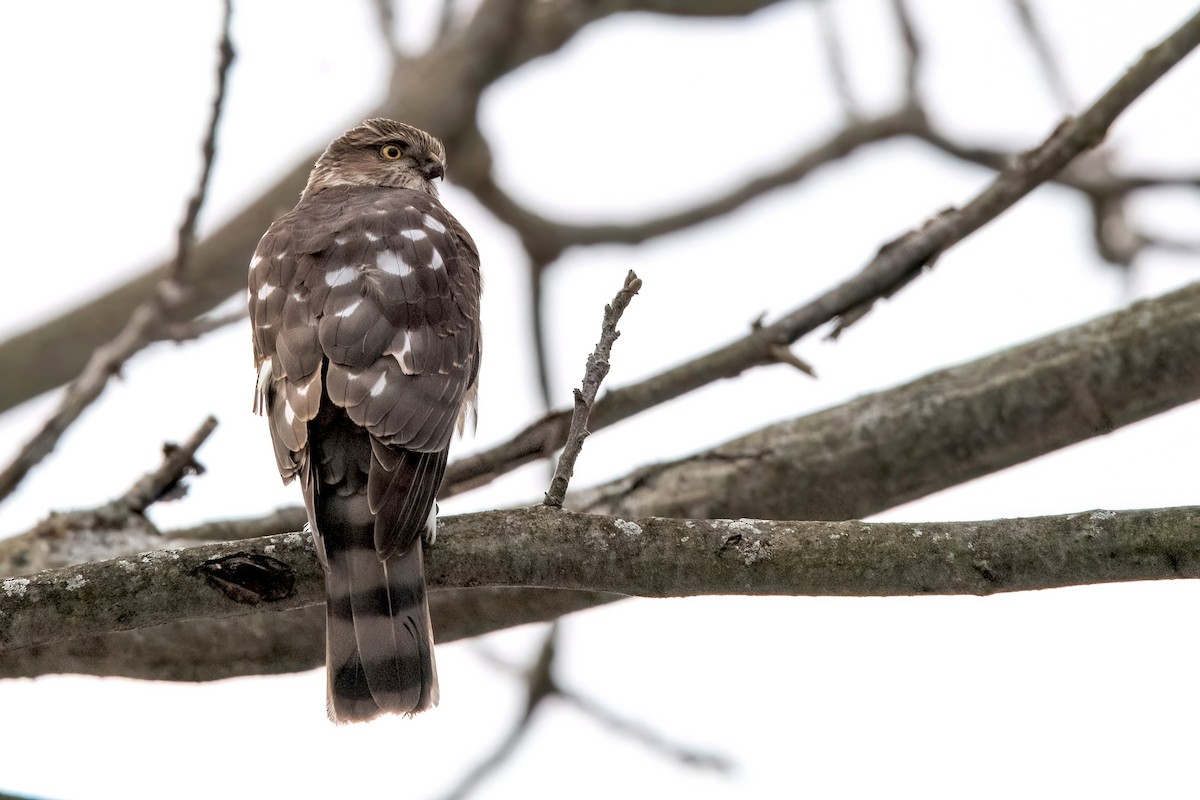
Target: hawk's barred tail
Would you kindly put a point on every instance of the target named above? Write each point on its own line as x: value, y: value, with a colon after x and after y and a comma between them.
x: 379, y: 642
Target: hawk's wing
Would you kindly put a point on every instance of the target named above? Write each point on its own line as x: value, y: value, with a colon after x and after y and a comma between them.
x: 371, y: 298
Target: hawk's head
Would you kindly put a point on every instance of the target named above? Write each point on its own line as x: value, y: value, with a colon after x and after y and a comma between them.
x: 381, y: 152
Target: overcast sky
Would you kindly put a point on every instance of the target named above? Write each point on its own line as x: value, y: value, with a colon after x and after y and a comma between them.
x: 1081, y: 692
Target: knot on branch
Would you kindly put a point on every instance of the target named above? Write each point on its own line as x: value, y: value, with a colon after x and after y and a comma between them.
x: 250, y: 578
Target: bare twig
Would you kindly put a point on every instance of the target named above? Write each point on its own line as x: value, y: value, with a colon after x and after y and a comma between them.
x: 108, y: 359
x: 546, y: 239
x: 835, y: 58
x: 912, y: 50
x: 647, y: 557
x: 193, y: 329
x: 186, y: 239
x: 1045, y: 55
x: 537, y: 319
x: 593, y: 376
x: 1170, y: 245
x: 655, y: 741
x: 178, y: 462
x: 539, y: 685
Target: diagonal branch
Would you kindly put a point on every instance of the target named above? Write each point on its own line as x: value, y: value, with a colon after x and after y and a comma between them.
x: 108, y: 359
x: 164, y: 482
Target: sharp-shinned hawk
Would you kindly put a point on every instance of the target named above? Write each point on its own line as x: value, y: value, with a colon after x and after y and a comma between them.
x: 364, y: 302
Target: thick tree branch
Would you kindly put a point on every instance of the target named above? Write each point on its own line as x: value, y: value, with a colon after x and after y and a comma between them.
x: 266, y: 644
x: 848, y: 461
x: 650, y: 557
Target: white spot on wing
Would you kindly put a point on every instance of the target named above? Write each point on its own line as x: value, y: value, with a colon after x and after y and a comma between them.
x: 262, y: 386
x: 254, y: 262
x: 390, y: 262
x: 350, y: 309
x: 289, y: 413
x: 371, y: 237
x: 340, y: 277
x: 404, y: 352
x: 340, y: 240
x: 265, y: 291
x: 436, y: 262
x: 414, y: 234
x: 433, y: 224
x: 379, y: 386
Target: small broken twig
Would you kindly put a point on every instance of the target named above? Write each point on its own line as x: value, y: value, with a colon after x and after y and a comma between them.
x: 593, y: 376
x: 163, y: 483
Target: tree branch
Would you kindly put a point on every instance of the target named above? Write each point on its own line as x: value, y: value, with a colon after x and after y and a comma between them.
x: 940, y: 430
x: 593, y: 376
x: 546, y: 239
x: 850, y: 461
x: 108, y: 359
x: 897, y: 264
x: 178, y: 462
x: 271, y: 643
x: 1045, y: 54
x: 650, y: 557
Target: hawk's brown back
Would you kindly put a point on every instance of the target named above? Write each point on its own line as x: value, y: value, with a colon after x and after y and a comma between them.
x: 370, y: 296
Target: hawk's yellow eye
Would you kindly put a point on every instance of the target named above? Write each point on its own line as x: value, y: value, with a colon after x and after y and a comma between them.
x: 390, y: 151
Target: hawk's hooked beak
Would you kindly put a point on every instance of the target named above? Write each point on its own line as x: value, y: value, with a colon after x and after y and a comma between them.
x: 434, y: 169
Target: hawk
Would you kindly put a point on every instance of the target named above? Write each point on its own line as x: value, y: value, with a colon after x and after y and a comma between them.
x: 364, y: 304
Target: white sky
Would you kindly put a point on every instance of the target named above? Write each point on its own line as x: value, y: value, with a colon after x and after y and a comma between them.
x: 1082, y: 692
